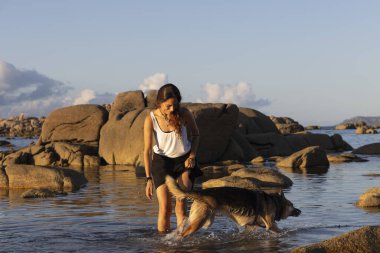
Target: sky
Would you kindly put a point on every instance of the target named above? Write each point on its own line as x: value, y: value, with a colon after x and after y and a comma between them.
x: 317, y: 62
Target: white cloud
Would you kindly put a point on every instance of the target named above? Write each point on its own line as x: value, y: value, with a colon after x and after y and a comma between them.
x: 85, y: 97
x: 240, y: 94
x: 154, y: 82
x: 88, y: 96
x: 32, y: 93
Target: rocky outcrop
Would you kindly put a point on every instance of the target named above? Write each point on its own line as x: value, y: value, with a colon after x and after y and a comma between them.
x: 69, y: 137
x: 89, y: 135
x: 304, y: 159
x: 18, y: 176
x: 369, y: 149
x: 366, y: 130
x: 21, y: 126
x: 287, y: 125
x: 345, y: 126
x: 364, y: 240
x: 370, y: 198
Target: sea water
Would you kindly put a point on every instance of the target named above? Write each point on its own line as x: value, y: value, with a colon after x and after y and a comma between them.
x: 112, y: 214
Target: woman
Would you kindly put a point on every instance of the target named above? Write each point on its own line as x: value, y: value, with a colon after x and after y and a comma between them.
x: 174, y: 154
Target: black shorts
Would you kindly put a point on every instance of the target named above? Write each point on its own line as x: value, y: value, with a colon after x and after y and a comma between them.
x: 163, y: 165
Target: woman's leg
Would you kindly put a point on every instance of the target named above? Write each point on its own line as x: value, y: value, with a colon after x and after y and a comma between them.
x: 185, y: 184
x: 164, y: 208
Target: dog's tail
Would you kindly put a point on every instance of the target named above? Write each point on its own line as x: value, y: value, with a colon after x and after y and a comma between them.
x: 180, y: 194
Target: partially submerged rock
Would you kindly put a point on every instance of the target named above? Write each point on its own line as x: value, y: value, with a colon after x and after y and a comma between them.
x: 344, y: 158
x: 267, y: 177
x: 369, y: 149
x: 307, y: 158
x: 232, y: 181
x: 18, y: 176
x: 364, y: 240
x: 41, y: 193
x: 370, y: 198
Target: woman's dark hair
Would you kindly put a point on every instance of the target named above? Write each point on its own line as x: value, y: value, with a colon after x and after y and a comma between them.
x: 166, y: 92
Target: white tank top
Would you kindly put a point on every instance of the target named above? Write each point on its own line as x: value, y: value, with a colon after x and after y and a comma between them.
x: 168, y: 143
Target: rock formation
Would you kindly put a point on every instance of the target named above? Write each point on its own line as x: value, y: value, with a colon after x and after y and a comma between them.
x: 364, y: 240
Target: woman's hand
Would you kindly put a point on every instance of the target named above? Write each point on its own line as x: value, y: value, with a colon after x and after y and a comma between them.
x: 149, y: 189
x: 190, y: 163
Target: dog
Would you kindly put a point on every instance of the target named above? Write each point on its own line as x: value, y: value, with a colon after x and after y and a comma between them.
x: 248, y: 208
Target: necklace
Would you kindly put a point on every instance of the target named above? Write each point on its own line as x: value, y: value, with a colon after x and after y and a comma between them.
x: 167, y: 121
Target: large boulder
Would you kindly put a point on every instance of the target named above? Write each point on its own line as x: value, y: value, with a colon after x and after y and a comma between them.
x: 369, y: 149
x: 306, y: 158
x: 29, y: 176
x: 363, y: 240
x: 122, y: 137
x: 370, y: 198
x: 78, y: 123
x: 254, y: 122
x: 216, y: 123
x: 268, y: 177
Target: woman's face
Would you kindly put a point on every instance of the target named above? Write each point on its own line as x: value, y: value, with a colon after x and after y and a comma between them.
x: 169, y: 106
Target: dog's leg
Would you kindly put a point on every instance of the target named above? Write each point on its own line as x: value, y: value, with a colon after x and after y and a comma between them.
x: 199, y: 215
x: 209, y: 221
x: 270, y: 224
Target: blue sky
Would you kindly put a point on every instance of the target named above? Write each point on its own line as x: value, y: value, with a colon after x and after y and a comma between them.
x: 315, y: 61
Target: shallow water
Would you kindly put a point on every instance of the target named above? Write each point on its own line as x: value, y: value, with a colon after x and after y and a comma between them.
x: 112, y: 214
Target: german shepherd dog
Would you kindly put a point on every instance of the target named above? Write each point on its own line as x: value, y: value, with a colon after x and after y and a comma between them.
x: 248, y: 208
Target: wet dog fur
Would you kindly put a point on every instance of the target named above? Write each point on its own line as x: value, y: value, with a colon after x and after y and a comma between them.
x: 248, y: 208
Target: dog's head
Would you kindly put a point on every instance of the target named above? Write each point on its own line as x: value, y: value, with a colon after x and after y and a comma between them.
x: 288, y: 208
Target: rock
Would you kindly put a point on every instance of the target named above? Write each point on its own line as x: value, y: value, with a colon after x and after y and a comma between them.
x: 78, y: 123
x: 369, y: 149
x: 345, y: 126
x: 370, y: 198
x: 339, y: 144
x: 286, y: 125
x: 364, y: 240
x: 216, y: 123
x: 41, y: 193
x: 251, y: 121
x: 29, y: 176
x: 322, y: 140
x: 372, y: 175
x: 3, y: 178
x: 91, y: 161
x: 258, y: 160
x: 312, y: 127
x: 270, y: 144
x: 235, y: 167
x: 126, y: 102
x: 365, y: 130
x: 151, y: 98
x: 344, y: 158
x: 45, y: 158
x: 21, y: 126
x: 232, y: 181
x: 5, y: 144
x: 267, y: 177
x: 242, y: 148
x: 306, y: 158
